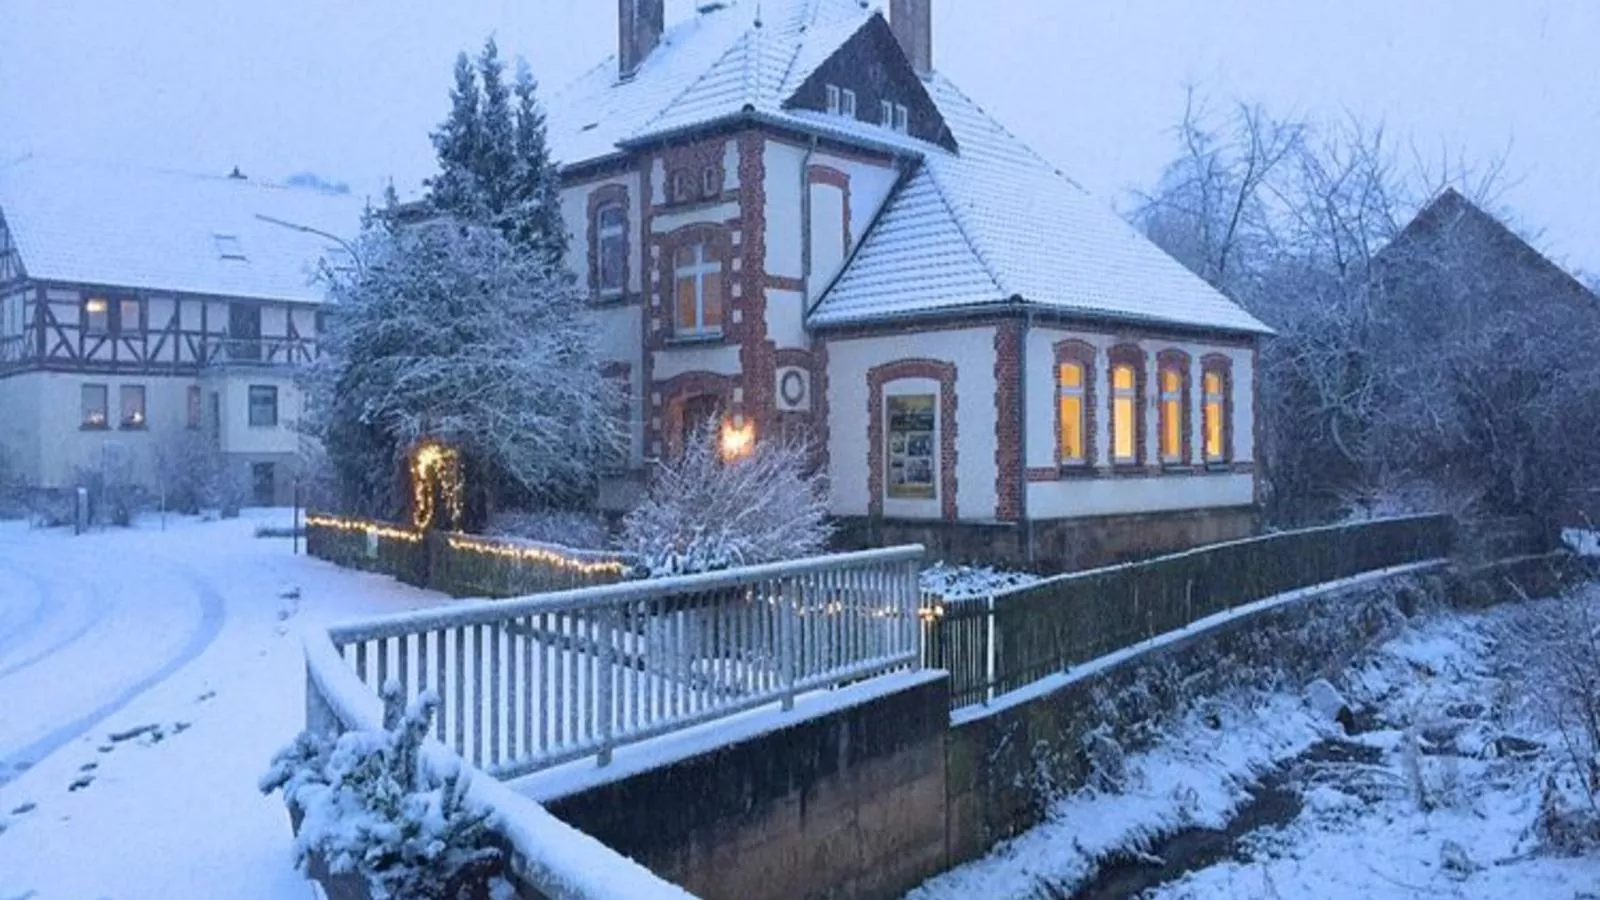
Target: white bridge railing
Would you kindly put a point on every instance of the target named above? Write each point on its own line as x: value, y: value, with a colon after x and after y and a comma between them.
x: 530, y: 683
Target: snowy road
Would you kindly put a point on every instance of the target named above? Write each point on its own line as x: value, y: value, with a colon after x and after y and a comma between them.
x: 146, y: 678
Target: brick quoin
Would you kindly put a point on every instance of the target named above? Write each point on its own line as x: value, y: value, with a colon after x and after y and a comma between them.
x: 934, y: 370
x: 757, y: 354
x: 1008, y: 449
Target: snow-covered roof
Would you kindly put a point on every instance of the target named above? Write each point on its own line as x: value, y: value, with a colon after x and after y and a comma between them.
x: 152, y: 230
x: 981, y: 226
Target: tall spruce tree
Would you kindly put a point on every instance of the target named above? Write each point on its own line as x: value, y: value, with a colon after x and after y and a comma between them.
x: 536, y: 187
x: 458, y: 144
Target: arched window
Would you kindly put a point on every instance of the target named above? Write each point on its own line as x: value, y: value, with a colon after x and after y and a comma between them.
x: 697, y: 278
x: 1072, y: 380
x: 1173, y: 382
x: 1214, y: 382
x: 1127, y: 404
x: 611, y: 249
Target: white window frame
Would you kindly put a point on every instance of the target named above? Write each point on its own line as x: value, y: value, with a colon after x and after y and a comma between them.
x: 1080, y: 391
x: 250, y: 405
x: 603, y: 233
x: 833, y: 98
x: 698, y: 268
x: 902, y: 118
x: 886, y: 113
x: 1171, y: 401
x: 847, y: 103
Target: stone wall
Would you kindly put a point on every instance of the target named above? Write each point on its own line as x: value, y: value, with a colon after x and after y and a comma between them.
x: 846, y: 804
x: 1059, y: 545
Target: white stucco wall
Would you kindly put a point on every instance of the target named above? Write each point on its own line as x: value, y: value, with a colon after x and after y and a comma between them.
x: 575, y: 212
x: 971, y: 350
x: 870, y: 184
x: 1083, y: 496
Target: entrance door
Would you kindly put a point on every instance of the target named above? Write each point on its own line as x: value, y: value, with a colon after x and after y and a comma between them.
x: 262, y: 484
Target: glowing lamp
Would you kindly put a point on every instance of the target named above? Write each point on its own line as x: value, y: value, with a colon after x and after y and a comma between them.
x: 737, y: 440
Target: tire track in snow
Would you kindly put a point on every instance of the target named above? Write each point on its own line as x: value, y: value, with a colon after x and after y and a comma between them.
x: 14, y: 635
x: 96, y: 613
x: 213, y: 612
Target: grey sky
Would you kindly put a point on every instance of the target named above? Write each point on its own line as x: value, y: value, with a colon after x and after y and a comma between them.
x: 350, y: 88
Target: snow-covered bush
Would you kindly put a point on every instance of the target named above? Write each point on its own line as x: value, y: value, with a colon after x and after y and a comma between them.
x: 955, y: 582
x: 704, y: 513
x: 371, y: 805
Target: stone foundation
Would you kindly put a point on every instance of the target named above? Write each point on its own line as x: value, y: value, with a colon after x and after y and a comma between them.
x: 1058, y: 545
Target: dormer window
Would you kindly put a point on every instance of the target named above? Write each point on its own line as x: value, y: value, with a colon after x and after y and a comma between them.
x: 833, y: 99
x: 902, y: 118
x: 893, y: 115
x: 847, y: 103
x: 886, y: 114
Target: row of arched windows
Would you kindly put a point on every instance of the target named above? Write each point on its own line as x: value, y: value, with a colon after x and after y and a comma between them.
x: 1077, y: 407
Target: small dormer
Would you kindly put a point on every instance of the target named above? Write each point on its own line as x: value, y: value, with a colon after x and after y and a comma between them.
x: 871, y: 81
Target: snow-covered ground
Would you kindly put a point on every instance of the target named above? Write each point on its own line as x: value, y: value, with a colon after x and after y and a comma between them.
x: 1363, y: 827
x: 187, y: 634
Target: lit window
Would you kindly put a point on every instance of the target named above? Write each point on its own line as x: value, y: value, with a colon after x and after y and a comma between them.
x: 912, y: 421
x: 612, y: 238
x: 847, y: 103
x: 1215, y: 408
x: 902, y: 118
x: 132, y: 397
x: 698, y: 289
x: 192, y: 407
x: 96, y: 316
x: 263, y: 406
x: 94, y: 405
x: 130, y: 316
x: 1172, y: 417
x: 1124, y: 415
x: 833, y: 98
x: 1074, y: 413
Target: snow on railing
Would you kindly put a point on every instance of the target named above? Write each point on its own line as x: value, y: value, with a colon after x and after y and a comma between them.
x: 548, y: 855
x: 530, y: 683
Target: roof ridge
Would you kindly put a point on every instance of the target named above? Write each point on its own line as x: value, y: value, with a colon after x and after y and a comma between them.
x: 959, y: 218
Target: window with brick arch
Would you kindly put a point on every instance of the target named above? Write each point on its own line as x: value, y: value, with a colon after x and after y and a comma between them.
x: 1215, y: 378
x: 1172, y: 382
x: 611, y: 249
x: 1072, y: 380
x: 697, y: 280
x: 1124, y: 414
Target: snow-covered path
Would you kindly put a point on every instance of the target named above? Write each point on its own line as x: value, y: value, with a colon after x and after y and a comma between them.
x: 182, y: 633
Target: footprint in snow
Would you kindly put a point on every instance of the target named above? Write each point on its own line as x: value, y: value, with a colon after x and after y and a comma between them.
x: 25, y: 808
x: 204, y: 697
x: 88, y: 767
x: 82, y: 782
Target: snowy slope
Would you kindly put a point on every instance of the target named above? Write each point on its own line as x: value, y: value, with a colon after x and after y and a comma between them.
x: 183, y: 630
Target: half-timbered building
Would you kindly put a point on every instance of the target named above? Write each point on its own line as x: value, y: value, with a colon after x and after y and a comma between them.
x: 136, y: 305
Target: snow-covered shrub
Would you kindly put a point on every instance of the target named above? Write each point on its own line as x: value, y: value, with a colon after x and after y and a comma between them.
x: 704, y: 513
x: 954, y: 582
x: 371, y: 805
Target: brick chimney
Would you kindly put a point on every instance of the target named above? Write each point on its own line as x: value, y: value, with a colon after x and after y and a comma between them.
x: 639, y: 27
x: 912, y: 24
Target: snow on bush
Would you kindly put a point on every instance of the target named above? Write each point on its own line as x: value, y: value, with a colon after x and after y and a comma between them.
x: 956, y: 582
x: 704, y: 513
x: 370, y: 805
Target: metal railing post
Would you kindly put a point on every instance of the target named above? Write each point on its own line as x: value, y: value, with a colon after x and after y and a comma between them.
x: 786, y: 638
x: 605, y: 687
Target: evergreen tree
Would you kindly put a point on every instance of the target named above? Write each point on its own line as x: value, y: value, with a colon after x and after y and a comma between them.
x: 458, y: 144
x: 496, y: 157
x: 536, y: 182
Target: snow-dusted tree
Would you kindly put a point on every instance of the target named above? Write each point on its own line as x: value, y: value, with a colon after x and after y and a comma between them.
x: 448, y: 331
x: 704, y: 512
x: 494, y: 161
x: 370, y: 804
x: 190, y: 469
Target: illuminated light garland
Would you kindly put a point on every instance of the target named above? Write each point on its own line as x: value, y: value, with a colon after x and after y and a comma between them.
x: 363, y: 526
x: 432, y: 462
x: 539, y: 555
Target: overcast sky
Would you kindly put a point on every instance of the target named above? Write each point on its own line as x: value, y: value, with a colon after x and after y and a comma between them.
x: 350, y: 88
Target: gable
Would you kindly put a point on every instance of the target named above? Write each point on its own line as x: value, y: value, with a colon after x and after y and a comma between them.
x: 872, y: 65
x: 10, y: 259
